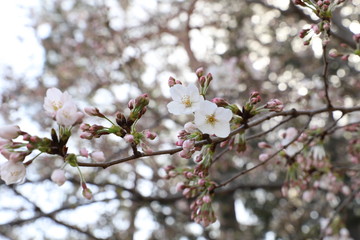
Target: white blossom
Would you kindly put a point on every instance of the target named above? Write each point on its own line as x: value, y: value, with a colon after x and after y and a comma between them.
x: 294, y: 148
x: 9, y: 131
x: 186, y: 100
x: 55, y: 100
x: 67, y: 115
x: 211, y: 119
x: 318, y: 152
x: 12, y: 172
x: 290, y: 135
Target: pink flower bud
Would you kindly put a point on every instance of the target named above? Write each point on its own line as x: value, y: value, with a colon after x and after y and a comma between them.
x: 303, y: 33
x: 84, y: 152
x: 169, y: 168
x: 220, y: 102
x: 9, y: 132
x: 131, y: 104
x: 180, y: 186
x: 87, y: 193
x: 201, y: 182
x: 199, y: 72
x: 326, y: 26
x: 345, y: 57
x: 171, y: 82
x: 84, y: 126
x: 209, y: 78
x: 185, y: 154
x: 98, y: 156
x: 206, y: 199
x: 150, y: 135
x: 263, y: 157
x: 26, y: 137
x: 92, y: 111
x: 86, y: 135
x: 190, y: 127
x: 315, y: 28
x: 264, y: 145
x: 333, y: 54
x: 274, y: 105
x: 188, y: 144
x: 58, y: 176
x: 202, y: 81
x: 186, y: 192
x: 179, y: 142
x: 129, y: 138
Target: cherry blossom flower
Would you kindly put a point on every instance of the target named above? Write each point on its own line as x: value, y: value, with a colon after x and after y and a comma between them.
x: 98, y: 156
x: 318, y: 152
x: 12, y: 172
x: 289, y: 136
x: 67, y: 115
x: 55, y: 100
x: 211, y: 119
x: 58, y: 176
x: 294, y: 148
x: 9, y: 132
x: 186, y: 100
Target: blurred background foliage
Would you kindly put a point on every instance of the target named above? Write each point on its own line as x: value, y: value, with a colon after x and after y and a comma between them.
x: 106, y: 52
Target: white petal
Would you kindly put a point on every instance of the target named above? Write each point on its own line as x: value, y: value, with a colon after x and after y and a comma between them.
x: 200, y: 119
x: 176, y: 108
x: 207, y: 107
x: 223, y: 114
x: 222, y: 129
x: 54, y: 93
x: 207, y: 128
x: 177, y: 92
x: 194, y: 93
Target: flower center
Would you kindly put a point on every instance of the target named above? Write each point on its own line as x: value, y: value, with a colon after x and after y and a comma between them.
x: 186, y: 101
x: 56, y: 105
x: 210, y: 119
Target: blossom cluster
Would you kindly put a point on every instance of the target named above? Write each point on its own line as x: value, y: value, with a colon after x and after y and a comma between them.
x: 62, y: 108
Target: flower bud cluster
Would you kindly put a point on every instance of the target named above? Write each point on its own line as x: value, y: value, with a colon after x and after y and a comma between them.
x: 96, y: 131
x: 204, y: 81
x: 202, y: 190
x: 274, y: 105
x: 12, y: 171
x: 172, y: 82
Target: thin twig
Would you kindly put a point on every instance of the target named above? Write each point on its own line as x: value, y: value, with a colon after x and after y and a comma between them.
x: 266, y: 160
x: 325, y: 77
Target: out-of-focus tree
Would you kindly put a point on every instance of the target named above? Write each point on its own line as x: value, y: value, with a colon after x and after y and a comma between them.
x: 291, y: 174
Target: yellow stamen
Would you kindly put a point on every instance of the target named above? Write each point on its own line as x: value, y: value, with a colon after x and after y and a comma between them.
x: 211, y: 119
x: 186, y: 101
